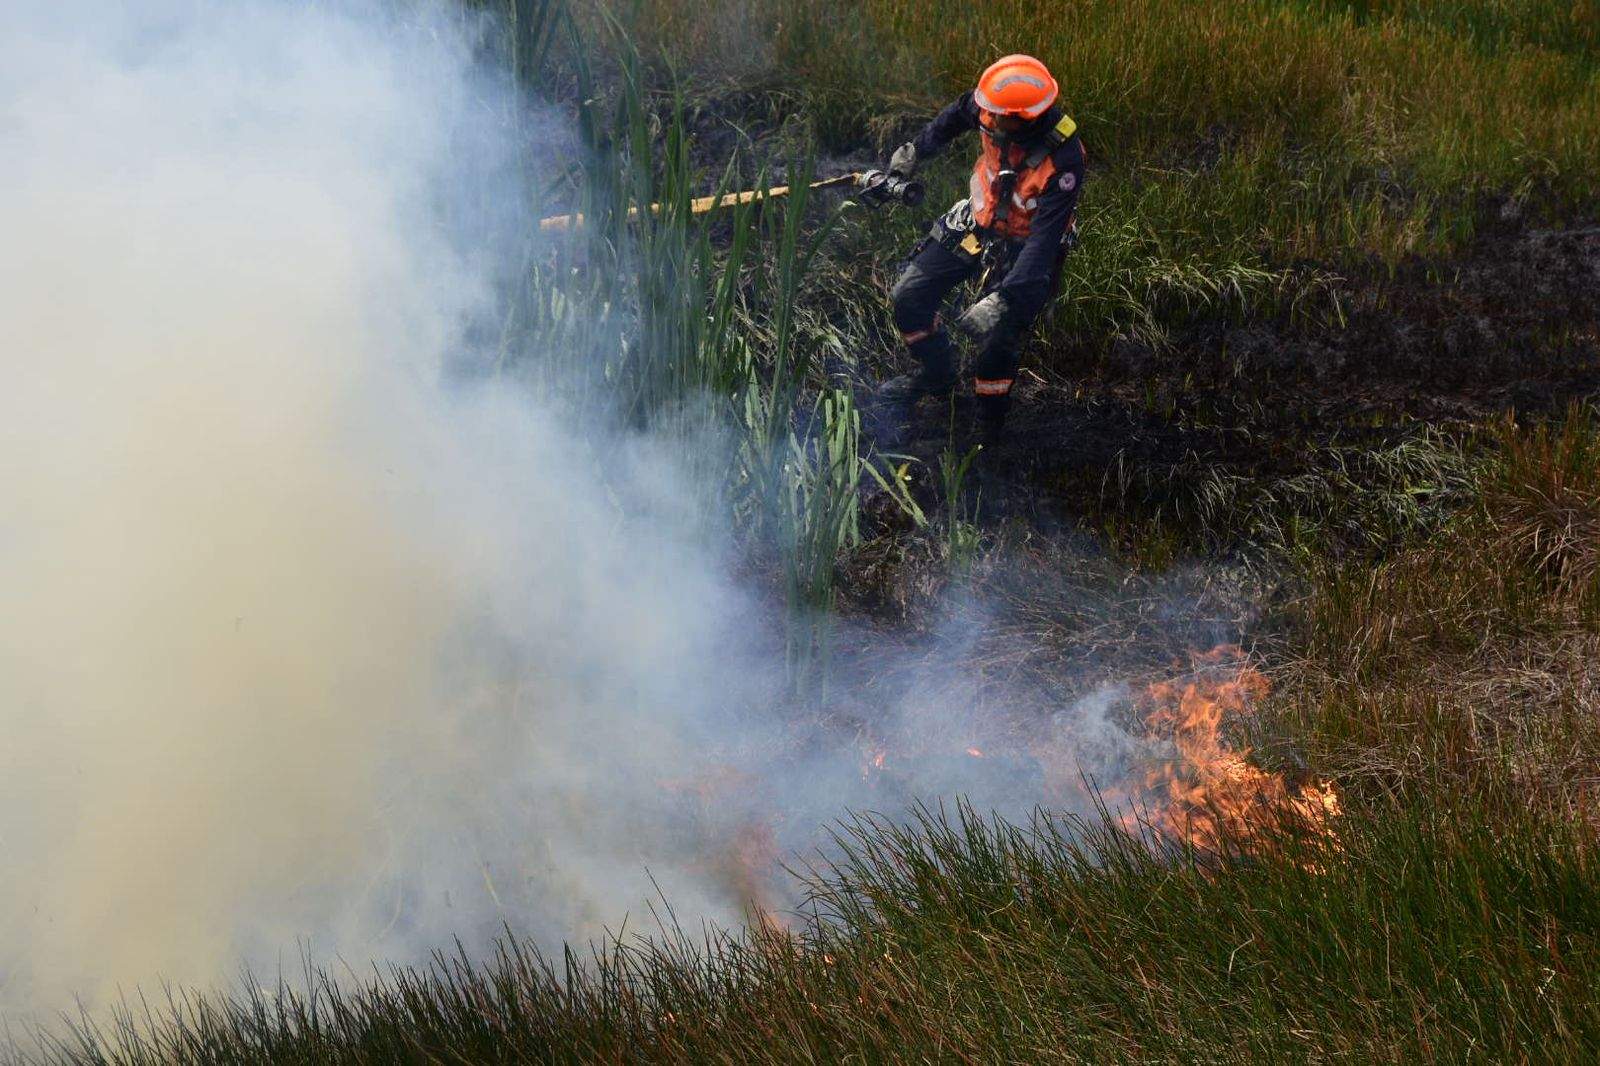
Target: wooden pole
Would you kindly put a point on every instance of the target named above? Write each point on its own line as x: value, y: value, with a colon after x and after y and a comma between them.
x: 706, y: 204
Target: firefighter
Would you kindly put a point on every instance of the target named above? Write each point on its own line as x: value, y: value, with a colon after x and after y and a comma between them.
x: 1018, y: 216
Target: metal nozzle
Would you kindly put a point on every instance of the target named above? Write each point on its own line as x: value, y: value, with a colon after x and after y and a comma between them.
x: 880, y: 187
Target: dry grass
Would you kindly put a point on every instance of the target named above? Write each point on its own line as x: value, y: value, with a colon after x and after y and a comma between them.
x: 1470, y: 660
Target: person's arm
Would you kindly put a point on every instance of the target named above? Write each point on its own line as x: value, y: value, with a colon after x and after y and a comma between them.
x: 960, y: 117
x: 1026, y: 287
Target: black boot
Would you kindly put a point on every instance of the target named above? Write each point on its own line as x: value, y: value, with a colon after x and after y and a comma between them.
x: 991, y: 431
x: 992, y: 419
x: 907, y: 389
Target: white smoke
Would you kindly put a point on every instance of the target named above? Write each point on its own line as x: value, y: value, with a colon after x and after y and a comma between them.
x: 297, y: 640
x: 301, y: 639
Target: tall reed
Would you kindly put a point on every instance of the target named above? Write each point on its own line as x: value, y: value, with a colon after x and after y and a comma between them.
x: 639, y: 316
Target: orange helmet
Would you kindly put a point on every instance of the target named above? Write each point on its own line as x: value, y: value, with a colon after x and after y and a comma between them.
x: 1016, y: 85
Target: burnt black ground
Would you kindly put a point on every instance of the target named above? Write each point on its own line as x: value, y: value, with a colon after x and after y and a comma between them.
x: 1513, y: 325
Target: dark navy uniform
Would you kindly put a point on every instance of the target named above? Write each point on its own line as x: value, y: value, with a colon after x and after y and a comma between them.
x: 955, y: 249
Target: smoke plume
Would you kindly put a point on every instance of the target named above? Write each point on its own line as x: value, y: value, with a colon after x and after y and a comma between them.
x: 303, y: 640
x: 299, y: 640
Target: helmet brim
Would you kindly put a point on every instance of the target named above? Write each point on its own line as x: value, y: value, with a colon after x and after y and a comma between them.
x: 983, y: 100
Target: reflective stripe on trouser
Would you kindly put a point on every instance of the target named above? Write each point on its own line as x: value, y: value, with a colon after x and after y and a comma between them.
x: 995, y: 369
x: 921, y: 334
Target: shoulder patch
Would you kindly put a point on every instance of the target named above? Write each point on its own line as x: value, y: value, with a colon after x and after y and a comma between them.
x: 1066, y: 127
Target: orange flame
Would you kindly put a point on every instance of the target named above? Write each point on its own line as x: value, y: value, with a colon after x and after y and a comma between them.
x: 750, y: 866
x: 875, y: 762
x: 1204, y: 794
x: 1209, y: 793
x: 744, y: 861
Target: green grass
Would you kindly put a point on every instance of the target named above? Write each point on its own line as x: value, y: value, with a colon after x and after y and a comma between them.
x: 1149, y: 78
x: 1495, y: 27
x: 1429, y: 935
x: 1231, y: 143
x: 644, y: 322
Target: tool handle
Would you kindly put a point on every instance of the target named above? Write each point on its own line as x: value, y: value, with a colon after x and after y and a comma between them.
x: 876, y: 187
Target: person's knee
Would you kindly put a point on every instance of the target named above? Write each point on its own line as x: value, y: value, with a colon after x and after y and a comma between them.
x: 913, y: 310
x: 910, y: 316
x: 1025, y: 303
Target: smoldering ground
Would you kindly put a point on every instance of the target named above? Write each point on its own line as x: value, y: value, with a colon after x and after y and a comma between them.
x: 304, y: 640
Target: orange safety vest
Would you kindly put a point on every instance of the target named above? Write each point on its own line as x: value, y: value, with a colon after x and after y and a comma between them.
x: 992, y: 207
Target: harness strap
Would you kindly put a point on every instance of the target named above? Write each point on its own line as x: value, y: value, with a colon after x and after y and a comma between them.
x: 1053, y: 138
x: 1004, y: 183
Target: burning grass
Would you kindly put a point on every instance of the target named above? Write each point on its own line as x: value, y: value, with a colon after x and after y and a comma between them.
x: 1160, y: 760
x: 1183, y: 785
x: 1433, y: 934
x: 1210, y: 795
x: 1455, y: 914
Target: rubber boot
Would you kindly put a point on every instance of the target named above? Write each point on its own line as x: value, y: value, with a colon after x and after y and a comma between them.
x: 992, y: 419
x: 937, y: 376
x: 907, y: 389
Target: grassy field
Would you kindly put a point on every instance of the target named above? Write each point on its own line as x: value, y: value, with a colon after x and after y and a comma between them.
x: 1426, y: 593
x: 1240, y: 152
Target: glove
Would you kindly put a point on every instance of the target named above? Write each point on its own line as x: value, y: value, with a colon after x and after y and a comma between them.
x: 903, y: 163
x: 983, y: 317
